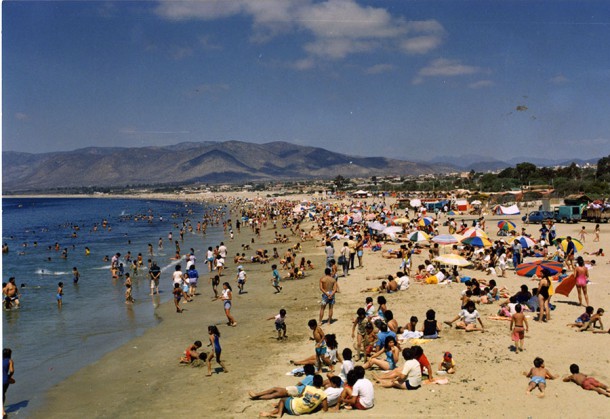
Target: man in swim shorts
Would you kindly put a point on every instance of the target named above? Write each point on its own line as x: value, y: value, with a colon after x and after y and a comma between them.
x: 328, y: 287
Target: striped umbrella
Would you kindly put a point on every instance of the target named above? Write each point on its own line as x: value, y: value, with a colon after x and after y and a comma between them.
x: 475, y: 232
x: 563, y: 242
x: 447, y: 238
x: 526, y: 241
x: 477, y: 241
x: 419, y: 236
x: 425, y: 221
x: 506, y: 225
x: 536, y: 267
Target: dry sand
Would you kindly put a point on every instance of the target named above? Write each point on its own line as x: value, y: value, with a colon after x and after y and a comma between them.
x: 143, y: 378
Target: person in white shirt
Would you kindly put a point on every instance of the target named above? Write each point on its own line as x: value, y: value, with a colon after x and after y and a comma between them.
x: 410, y: 376
x: 402, y: 281
x: 363, y: 393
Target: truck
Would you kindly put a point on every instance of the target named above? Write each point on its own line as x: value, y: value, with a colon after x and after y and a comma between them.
x: 568, y: 213
x: 596, y: 215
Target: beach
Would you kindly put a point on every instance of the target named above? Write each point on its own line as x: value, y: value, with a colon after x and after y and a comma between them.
x: 143, y: 377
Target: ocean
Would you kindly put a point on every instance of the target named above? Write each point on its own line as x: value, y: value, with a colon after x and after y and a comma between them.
x: 48, y: 343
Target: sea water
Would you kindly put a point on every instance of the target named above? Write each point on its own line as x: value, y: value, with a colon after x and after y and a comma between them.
x: 48, y: 343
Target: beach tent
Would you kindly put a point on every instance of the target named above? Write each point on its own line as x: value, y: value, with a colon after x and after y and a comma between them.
x: 360, y: 194
x: 461, y: 204
x: 512, y: 210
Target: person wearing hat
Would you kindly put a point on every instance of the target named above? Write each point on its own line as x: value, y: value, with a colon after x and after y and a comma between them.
x: 241, y: 278
x: 447, y: 364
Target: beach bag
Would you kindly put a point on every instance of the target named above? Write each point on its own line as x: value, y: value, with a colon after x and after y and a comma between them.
x: 341, y: 260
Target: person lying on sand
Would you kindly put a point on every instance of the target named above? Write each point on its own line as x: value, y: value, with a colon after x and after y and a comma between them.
x: 586, y: 382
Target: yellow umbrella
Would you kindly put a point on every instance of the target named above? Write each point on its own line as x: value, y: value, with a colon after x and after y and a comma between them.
x: 563, y: 242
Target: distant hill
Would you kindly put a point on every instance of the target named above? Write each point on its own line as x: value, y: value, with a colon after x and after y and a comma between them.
x: 189, y: 163
x: 480, y: 163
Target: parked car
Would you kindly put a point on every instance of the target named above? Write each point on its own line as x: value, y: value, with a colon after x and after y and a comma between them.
x: 536, y: 217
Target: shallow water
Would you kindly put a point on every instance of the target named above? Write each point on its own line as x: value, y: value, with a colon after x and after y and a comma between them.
x: 50, y: 344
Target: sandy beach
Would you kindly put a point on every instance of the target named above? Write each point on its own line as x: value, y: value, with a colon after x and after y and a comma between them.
x: 143, y: 378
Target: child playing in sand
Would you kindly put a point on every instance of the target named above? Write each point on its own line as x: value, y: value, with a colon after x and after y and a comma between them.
x: 586, y: 382
x: 280, y: 324
x: 518, y: 326
x: 583, y: 319
x: 538, y: 376
x: 275, y: 281
x: 596, y: 318
x: 190, y: 354
x: 214, y: 335
x: 447, y: 365
x: 60, y: 294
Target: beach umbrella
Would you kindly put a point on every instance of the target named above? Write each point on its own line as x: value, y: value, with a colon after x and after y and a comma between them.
x: 357, y: 217
x: 475, y: 232
x: 453, y: 260
x: 419, y: 236
x: 535, y: 268
x: 563, y: 242
x: 477, y: 241
x: 477, y: 202
x: 392, y: 230
x: 447, y: 238
x: 400, y: 220
x: 376, y: 225
x: 370, y: 216
x: 425, y: 221
x: 526, y: 241
x: 506, y: 225
x: 451, y: 213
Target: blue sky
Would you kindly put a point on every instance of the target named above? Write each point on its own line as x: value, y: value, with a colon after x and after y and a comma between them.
x: 402, y: 79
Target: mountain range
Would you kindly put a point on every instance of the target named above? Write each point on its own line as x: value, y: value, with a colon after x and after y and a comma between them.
x: 220, y: 162
x: 191, y: 163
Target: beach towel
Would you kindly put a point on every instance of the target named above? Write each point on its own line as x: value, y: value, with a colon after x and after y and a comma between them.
x: 410, y: 335
x: 566, y: 286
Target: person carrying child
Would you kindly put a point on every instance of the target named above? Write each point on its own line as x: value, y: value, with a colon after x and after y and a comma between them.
x: 538, y: 376
x: 586, y: 382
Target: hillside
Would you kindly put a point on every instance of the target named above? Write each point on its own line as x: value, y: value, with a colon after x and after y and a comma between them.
x: 189, y: 163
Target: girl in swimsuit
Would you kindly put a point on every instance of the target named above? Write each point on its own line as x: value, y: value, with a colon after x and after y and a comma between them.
x: 215, y: 343
x: 391, y: 352
x: 582, y: 275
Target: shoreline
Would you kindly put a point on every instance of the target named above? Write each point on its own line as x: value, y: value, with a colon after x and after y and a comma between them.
x: 143, y: 376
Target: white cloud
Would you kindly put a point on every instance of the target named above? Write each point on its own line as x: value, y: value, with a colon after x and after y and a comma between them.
x: 559, y: 79
x: 442, y: 67
x: 481, y: 84
x: 338, y: 28
x: 379, y: 68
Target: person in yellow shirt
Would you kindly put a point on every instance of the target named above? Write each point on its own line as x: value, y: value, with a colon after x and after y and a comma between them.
x: 309, y: 401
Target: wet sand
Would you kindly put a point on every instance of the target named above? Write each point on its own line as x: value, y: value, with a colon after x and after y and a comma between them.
x: 143, y: 378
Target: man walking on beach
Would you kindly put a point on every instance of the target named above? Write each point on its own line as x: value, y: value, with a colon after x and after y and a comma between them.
x: 329, y: 250
x: 328, y: 287
x: 155, y: 274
